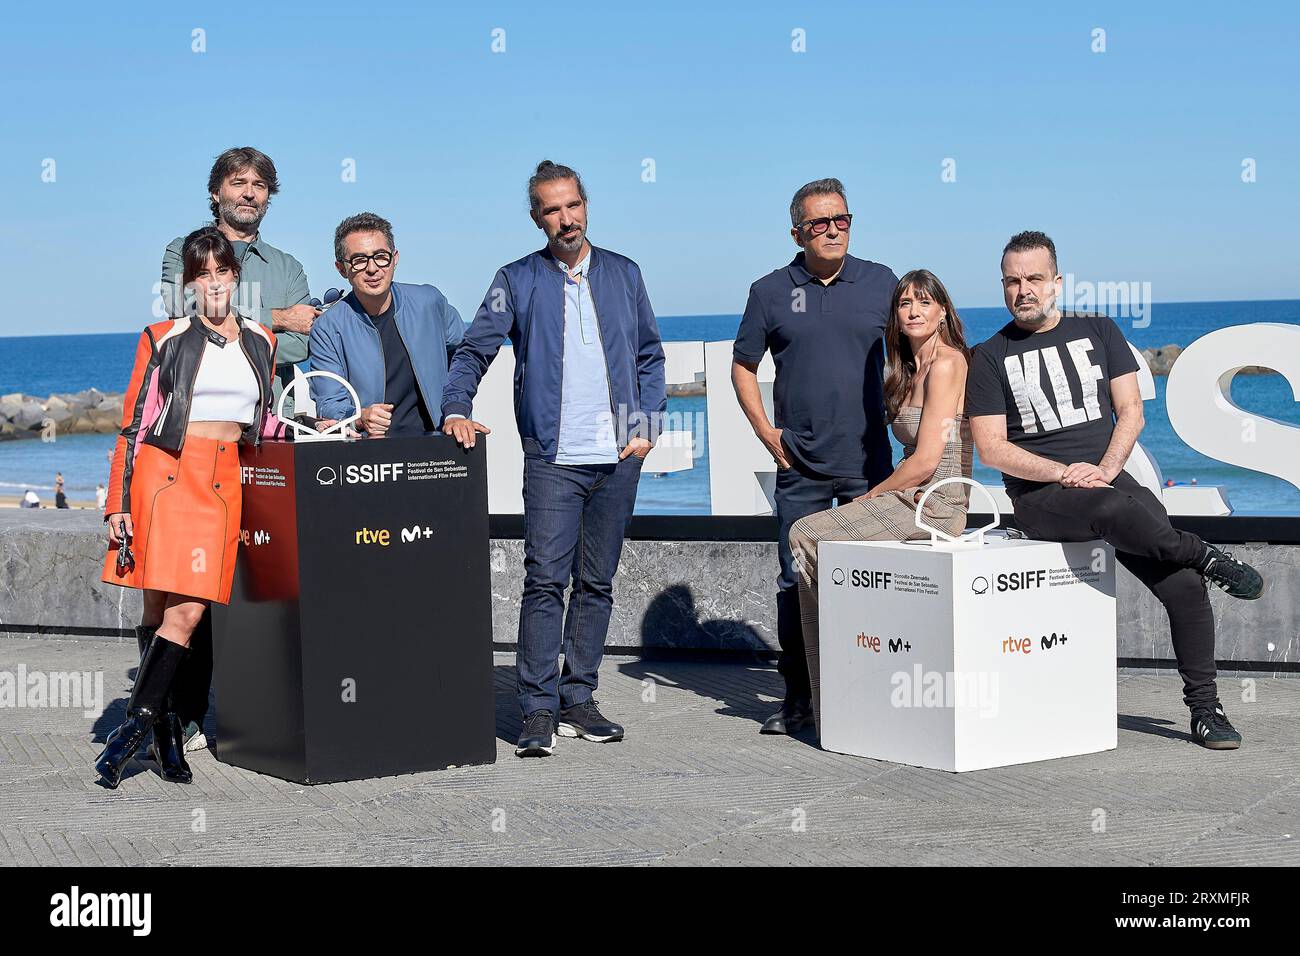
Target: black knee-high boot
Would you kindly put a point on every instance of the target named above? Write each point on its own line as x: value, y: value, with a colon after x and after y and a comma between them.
x: 157, y: 668
x: 143, y: 635
x: 169, y: 745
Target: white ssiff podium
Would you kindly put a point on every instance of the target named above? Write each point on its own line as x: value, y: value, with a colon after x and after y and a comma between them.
x: 967, y: 653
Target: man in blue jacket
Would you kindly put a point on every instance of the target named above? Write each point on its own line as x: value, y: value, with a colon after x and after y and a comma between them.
x: 589, y: 398
x: 390, y: 340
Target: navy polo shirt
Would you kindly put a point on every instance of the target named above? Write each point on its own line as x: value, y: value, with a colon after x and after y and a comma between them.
x: 828, y: 345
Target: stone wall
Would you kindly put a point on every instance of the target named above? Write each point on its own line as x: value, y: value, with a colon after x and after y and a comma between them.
x: 699, y: 596
x: 25, y: 416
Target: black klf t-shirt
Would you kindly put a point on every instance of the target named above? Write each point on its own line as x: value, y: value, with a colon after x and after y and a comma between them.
x: 1053, y: 387
x: 410, y: 415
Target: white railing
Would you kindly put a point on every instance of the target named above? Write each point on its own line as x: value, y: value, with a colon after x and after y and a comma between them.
x: 742, y: 475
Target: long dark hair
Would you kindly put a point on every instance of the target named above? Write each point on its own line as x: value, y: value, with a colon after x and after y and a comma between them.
x: 900, y: 363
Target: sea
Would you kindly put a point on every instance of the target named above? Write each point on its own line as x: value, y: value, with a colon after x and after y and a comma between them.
x: 42, y: 365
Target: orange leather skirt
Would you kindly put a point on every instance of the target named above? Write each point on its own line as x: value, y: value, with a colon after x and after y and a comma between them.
x: 186, y: 509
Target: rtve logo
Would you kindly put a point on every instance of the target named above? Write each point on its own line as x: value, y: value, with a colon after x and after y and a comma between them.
x: 383, y: 537
x: 872, y: 643
x: 1021, y: 580
x: 1025, y: 645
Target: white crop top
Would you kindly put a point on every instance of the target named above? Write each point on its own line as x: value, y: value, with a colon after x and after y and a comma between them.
x: 225, y: 388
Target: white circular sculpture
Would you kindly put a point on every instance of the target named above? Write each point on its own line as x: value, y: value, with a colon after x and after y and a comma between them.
x: 305, y: 433
x: 972, y: 539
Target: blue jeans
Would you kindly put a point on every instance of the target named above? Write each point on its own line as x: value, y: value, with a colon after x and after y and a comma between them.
x: 801, y: 492
x: 575, y: 517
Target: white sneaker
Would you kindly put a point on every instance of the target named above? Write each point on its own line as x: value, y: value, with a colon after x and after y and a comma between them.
x: 195, y: 740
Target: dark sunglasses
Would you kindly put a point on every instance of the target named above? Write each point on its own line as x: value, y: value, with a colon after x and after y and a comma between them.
x: 125, y: 559
x: 816, y: 227
x: 331, y: 296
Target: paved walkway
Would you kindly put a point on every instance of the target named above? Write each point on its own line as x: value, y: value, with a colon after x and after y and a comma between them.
x: 694, y: 783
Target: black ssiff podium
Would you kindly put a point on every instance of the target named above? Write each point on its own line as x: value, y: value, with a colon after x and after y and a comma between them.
x: 358, y: 638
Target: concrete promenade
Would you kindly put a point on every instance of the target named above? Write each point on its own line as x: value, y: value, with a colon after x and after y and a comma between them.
x: 694, y: 783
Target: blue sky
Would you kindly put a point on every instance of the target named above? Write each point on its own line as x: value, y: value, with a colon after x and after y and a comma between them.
x: 1130, y: 158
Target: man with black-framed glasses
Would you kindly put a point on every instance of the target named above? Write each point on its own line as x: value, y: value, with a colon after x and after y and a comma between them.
x: 823, y: 319
x: 391, y: 340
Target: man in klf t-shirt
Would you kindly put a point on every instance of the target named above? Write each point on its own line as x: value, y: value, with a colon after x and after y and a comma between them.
x: 1054, y: 404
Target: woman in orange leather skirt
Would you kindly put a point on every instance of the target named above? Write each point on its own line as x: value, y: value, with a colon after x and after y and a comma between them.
x: 201, y: 385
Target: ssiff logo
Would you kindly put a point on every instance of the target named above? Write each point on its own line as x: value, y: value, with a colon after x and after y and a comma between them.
x: 870, y: 579
x: 1021, y: 580
x: 371, y: 474
x: 862, y: 579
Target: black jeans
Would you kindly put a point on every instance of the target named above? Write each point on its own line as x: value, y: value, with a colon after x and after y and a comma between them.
x: 801, y: 492
x: 1133, y: 521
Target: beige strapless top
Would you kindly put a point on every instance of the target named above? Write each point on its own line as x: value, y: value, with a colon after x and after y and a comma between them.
x: 958, y: 452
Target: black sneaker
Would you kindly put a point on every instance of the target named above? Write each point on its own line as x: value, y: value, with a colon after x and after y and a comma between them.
x: 1212, y: 730
x: 537, y: 739
x: 1231, y: 574
x: 793, y: 717
x: 586, y: 721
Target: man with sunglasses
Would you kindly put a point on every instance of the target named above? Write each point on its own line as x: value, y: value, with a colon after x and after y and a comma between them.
x: 823, y: 319
x: 390, y: 340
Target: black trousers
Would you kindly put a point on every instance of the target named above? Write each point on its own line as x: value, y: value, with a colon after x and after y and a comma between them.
x: 1133, y: 521
x: 801, y: 492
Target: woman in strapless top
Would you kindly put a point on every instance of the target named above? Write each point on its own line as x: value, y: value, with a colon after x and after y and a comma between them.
x: 925, y: 385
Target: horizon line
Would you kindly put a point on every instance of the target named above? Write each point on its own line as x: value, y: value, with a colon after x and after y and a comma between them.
x: 710, y: 315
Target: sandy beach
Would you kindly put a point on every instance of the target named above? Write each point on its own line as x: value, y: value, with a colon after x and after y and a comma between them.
x: 12, y: 501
